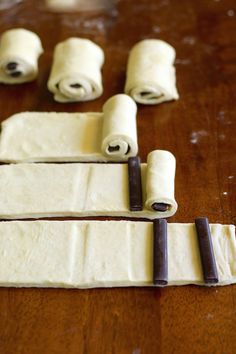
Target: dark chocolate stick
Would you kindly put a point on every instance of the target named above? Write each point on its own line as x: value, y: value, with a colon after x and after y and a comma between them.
x: 160, y: 206
x: 75, y: 85
x: 135, y: 184
x: 160, y: 252
x: 145, y: 93
x: 113, y: 148
x: 16, y: 73
x: 12, y: 66
x: 210, y: 273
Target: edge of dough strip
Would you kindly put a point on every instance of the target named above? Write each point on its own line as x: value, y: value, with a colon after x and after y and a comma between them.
x: 90, y: 254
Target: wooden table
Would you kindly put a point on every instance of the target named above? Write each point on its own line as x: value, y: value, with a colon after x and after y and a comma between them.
x: 199, y: 129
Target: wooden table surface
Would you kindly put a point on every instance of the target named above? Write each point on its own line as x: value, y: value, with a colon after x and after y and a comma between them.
x: 199, y: 129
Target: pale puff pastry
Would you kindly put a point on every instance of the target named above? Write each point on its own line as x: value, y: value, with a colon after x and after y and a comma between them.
x: 19, y: 53
x: 90, y: 254
x: 76, y: 71
x: 150, y: 77
x: 50, y: 136
x: 86, y: 189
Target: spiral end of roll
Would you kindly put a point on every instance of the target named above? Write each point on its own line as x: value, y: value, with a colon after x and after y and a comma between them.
x: 117, y: 148
x: 162, y: 207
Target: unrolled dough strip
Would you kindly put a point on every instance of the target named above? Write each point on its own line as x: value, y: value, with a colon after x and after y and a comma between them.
x: 90, y: 254
x: 43, y: 190
x: 150, y: 72
x: 44, y: 137
x: 19, y: 52
x: 76, y: 71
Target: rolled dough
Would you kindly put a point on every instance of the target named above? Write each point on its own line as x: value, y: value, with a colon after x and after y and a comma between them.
x: 150, y: 72
x: 76, y: 71
x: 41, y: 190
x: 44, y: 137
x: 90, y: 254
x: 60, y: 5
x: 19, y: 52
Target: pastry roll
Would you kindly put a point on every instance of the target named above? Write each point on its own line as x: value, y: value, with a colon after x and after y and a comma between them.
x: 78, y: 5
x: 19, y: 52
x: 43, y: 137
x: 119, y: 134
x: 91, y: 254
x: 160, y: 181
x: 77, y: 190
x: 150, y: 72
x: 76, y: 71
x: 60, y: 5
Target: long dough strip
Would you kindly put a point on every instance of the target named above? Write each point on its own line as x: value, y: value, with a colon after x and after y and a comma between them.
x: 150, y: 72
x: 44, y: 137
x: 75, y: 74
x: 41, y: 190
x: 19, y: 52
x: 89, y: 254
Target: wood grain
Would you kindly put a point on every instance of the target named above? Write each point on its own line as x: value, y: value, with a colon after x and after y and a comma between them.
x: 199, y: 129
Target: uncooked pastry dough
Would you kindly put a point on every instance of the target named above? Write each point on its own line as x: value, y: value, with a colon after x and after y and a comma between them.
x: 40, y: 190
x: 119, y: 134
x: 150, y: 72
x: 19, y: 52
x: 44, y: 137
x: 76, y: 71
x: 79, y: 5
x: 60, y: 5
x: 160, y: 172
x: 89, y: 254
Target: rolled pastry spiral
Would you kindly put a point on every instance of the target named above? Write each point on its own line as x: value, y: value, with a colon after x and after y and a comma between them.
x: 160, y: 182
x: 119, y: 135
x: 150, y: 72
x: 19, y: 52
x: 76, y: 71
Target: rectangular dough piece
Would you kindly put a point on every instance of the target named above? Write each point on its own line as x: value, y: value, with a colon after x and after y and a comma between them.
x: 89, y: 254
x: 77, y: 190
x: 51, y: 136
